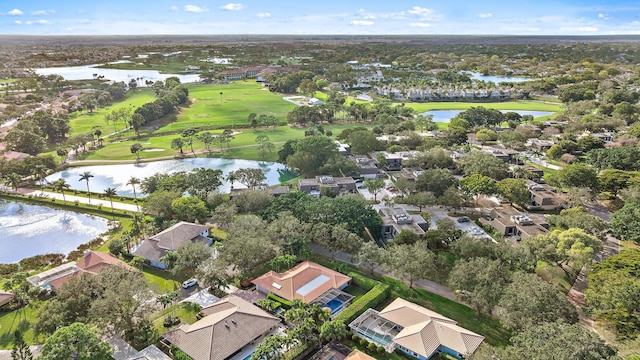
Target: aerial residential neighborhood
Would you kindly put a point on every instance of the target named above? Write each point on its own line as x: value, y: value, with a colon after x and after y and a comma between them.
x: 379, y: 181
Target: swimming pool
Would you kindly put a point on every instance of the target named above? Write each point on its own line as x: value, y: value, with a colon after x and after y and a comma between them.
x: 334, y: 305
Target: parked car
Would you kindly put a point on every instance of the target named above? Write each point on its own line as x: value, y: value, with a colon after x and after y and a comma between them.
x: 189, y: 283
x: 463, y: 219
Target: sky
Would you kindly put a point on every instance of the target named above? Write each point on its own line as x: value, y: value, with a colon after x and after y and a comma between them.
x: 340, y: 17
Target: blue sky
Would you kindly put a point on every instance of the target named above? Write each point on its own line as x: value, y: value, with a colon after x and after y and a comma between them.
x: 129, y: 17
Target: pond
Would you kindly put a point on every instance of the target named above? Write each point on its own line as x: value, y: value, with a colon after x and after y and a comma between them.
x: 446, y: 115
x: 117, y: 176
x: 85, y: 72
x: 29, y: 230
x: 496, y: 79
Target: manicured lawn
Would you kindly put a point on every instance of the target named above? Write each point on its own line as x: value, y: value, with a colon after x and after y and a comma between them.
x: 245, y: 137
x: 82, y: 122
x: 23, y: 319
x: 162, y: 281
x: 355, y: 291
x: 239, y: 99
x: 184, y: 313
x: 508, y: 105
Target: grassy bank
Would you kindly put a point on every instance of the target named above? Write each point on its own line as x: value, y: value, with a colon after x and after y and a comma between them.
x: 83, y: 122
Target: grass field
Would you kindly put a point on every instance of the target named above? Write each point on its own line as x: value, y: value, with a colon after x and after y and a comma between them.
x: 239, y: 99
x: 83, y: 122
x: 245, y: 138
x: 23, y: 319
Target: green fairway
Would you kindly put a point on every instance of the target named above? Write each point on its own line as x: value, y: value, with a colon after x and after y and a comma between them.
x: 242, y: 147
x: 214, y: 111
x: 82, y: 122
x: 509, y: 105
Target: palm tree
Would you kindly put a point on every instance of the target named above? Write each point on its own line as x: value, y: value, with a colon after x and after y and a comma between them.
x: 231, y: 178
x: 133, y: 182
x: 110, y: 192
x: 40, y: 172
x: 86, y: 176
x: 13, y: 180
x: 61, y: 185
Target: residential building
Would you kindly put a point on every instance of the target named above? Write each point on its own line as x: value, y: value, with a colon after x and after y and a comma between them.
x: 93, y: 262
x: 411, y: 174
x: 416, y: 331
x: 155, y: 247
x: 539, y: 145
x: 506, y: 155
x: 338, y: 185
x: 516, y: 225
x: 310, y: 283
x: 338, y: 351
x: 544, y: 197
x: 368, y: 167
x: 5, y: 297
x: 394, y: 220
x: 230, y: 328
x: 343, y: 149
x: 393, y: 160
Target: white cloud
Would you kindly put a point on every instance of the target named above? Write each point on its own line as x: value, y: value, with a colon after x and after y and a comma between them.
x: 43, y: 22
x: 195, y: 9
x: 15, y: 12
x: 174, y: 8
x: 423, y: 13
x: 29, y: 22
x: 233, y: 7
x: 18, y: 22
x: 604, y: 17
x: 361, y: 23
x: 43, y: 12
x: 419, y: 24
x: 263, y: 15
x: 485, y: 15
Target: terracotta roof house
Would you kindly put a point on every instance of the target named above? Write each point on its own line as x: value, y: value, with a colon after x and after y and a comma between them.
x: 92, y: 262
x: 230, y: 326
x: 310, y: 283
x: 5, y: 297
x: 416, y: 331
x: 155, y: 247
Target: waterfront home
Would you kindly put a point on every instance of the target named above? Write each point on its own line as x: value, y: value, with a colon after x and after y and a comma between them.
x: 337, y: 185
x: 93, y: 262
x: 155, y: 247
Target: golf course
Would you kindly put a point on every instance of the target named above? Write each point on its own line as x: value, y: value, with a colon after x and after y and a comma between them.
x: 217, y: 107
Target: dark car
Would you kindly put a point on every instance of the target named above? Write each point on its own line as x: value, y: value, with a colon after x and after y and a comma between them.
x: 463, y: 219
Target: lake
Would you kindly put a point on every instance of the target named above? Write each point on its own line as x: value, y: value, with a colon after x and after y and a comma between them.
x: 446, y: 115
x: 496, y: 79
x: 28, y: 230
x: 85, y: 72
x: 117, y: 176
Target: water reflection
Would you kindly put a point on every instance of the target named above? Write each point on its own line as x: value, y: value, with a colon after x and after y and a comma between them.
x: 27, y: 230
x: 117, y: 176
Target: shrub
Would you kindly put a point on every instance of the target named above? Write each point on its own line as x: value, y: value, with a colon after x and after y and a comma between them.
x: 362, y: 281
x: 380, y: 349
x: 355, y: 337
x: 286, y: 304
x: 369, y: 300
x: 364, y: 342
x: 372, y: 346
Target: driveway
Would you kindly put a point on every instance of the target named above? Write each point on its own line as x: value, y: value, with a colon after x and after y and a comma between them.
x: 202, y: 298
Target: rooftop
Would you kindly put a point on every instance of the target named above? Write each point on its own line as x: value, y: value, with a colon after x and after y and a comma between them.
x: 306, y: 281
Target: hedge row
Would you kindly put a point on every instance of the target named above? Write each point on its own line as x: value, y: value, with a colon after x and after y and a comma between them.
x: 369, y: 300
x: 286, y: 304
x: 362, y: 281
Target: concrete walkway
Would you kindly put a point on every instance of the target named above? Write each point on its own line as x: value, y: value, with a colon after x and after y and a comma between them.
x: 72, y: 198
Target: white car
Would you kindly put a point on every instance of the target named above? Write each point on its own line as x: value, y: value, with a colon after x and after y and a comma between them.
x: 189, y: 283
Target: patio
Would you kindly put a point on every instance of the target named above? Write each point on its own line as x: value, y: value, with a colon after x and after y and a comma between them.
x: 372, y: 327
